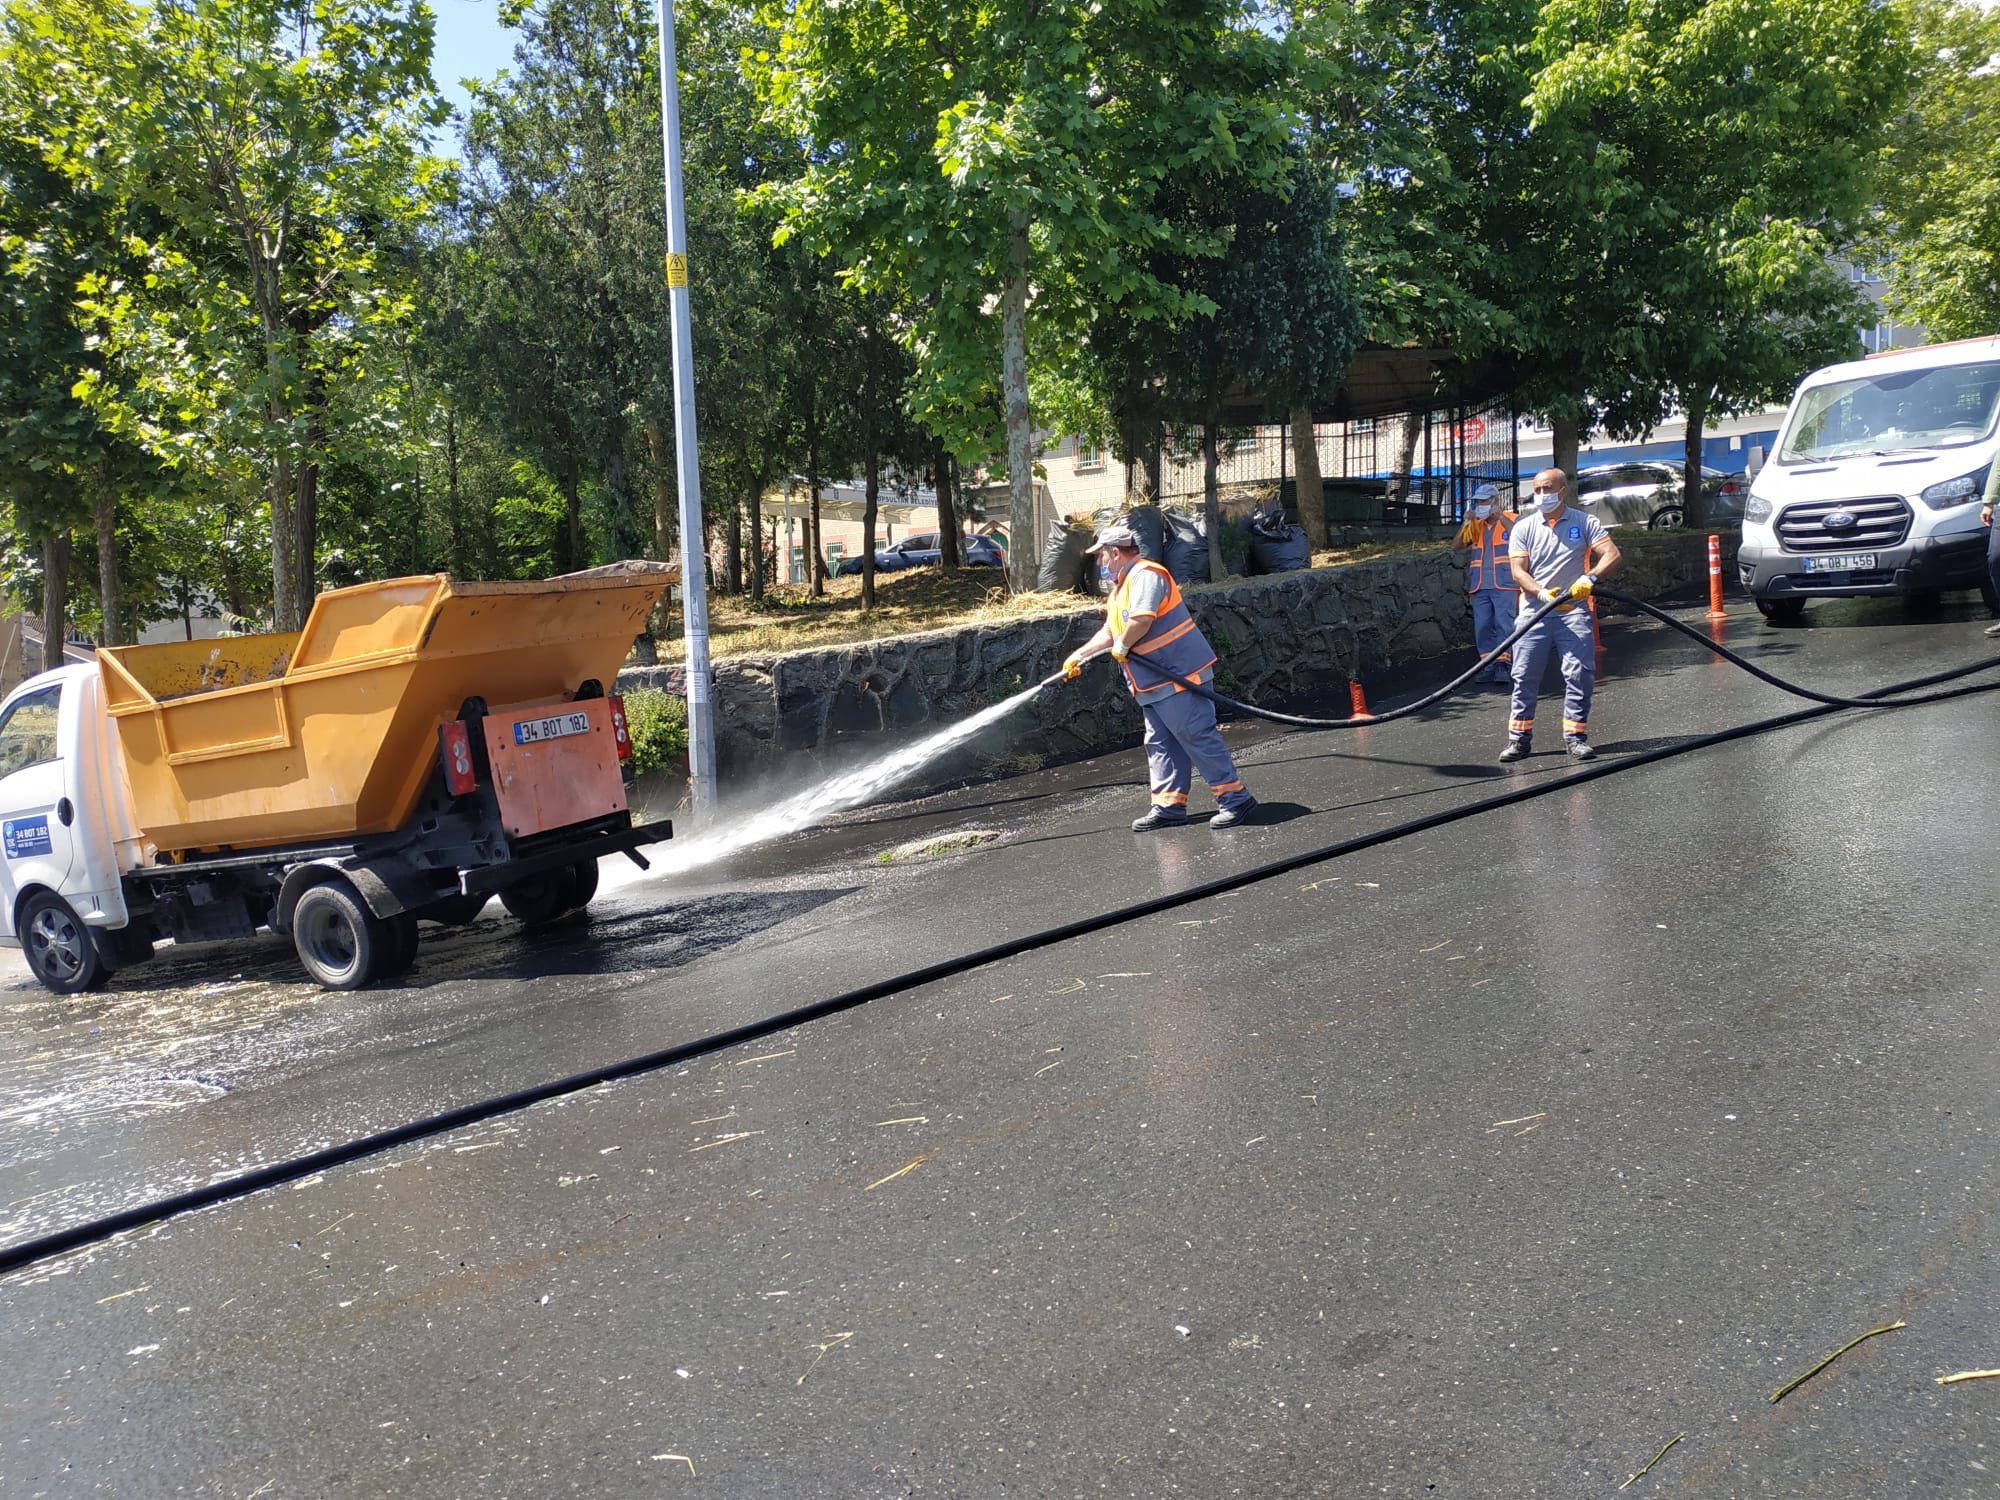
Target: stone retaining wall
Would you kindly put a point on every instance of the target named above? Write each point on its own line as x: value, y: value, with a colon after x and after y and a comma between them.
x: 804, y: 713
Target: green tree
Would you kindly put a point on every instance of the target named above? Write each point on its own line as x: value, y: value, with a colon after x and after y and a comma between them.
x: 1939, y: 236
x: 281, y: 143
x: 1004, y: 159
x: 1717, y: 151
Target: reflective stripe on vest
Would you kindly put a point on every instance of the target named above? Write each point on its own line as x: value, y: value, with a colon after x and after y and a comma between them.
x: 1490, y: 561
x: 1173, y: 645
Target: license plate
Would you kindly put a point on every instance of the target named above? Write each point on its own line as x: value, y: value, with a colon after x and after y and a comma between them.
x: 1841, y: 562
x: 534, y: 731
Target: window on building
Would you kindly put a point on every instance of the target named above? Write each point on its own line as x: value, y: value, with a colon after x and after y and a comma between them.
x: 1089, y: 456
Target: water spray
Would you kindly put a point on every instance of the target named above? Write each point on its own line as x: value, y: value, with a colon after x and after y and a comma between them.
x: 835, y: 794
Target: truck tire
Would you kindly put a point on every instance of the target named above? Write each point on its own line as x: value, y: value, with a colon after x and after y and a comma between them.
x: 338, y: 939
x: 399, y: 946
x: 60, y: 950
x: 540, y: 899
x: 1786, y: 609
x: 455, y: 911
x: 582, y: 883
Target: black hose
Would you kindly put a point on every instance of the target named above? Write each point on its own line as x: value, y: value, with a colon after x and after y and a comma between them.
x: 14, y: 1257
x: 1867, y: 700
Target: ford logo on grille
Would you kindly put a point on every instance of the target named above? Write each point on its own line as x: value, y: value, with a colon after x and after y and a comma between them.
x: 1839, y: 520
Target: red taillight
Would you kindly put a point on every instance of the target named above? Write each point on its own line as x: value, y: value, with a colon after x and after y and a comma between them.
x: 455, y: 751
x: 618, y: 729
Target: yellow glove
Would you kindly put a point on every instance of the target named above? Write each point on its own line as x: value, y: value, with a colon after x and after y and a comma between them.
x: 1119, y: 653
x: 1549, y: 596
x: 1072, y: 669
x: 1582, y: 587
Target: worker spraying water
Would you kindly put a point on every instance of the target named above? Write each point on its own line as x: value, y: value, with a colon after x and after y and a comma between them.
x: 837, y: 793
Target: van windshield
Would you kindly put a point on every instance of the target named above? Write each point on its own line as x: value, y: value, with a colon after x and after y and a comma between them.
x: 1893, y: 412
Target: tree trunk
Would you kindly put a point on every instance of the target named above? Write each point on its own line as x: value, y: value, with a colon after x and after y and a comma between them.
x: 56, y: 553
x: 105, y: 504
x: 306, y: 534
x: 756, y: 496
x: 286, y: 611
x: 1406, y: 458
x: 1566, y: 436
x: 624, y: 531
x: 453, y: 519
x: 1697, y: 417
x: 732, y: 548
x: 570, y: 551
x: 1311, y: 488
x: 1014, y: 394
x: 666, y: 516
x: 1211, y: 502
x: 947, y: 511
x: 815, y: 550
x: 869, y: 497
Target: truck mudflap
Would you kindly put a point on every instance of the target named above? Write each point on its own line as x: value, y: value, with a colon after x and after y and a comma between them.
x: 486, y: 879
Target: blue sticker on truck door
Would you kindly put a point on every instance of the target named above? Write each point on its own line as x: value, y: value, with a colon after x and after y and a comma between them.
x: 25, y: 837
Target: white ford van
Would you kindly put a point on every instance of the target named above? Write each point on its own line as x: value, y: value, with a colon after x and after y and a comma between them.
x: 1875, y: 482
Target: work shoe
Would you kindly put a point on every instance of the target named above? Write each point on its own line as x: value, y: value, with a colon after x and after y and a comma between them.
x: 1158, y: 817
x: 1994, y: 628
x: 1517, y: 749
x: 1581, y: 750
x: 1229, y: 817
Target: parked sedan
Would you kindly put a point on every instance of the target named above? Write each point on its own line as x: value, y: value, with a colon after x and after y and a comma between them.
x: 922, y: 551
x: 1648, y: 493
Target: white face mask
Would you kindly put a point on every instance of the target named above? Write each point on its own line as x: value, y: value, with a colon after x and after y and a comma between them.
x: 1482, y: 510
x: 1549, y: 504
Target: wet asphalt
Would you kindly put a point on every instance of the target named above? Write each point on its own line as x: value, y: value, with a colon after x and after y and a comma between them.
x: 1479, y: 1163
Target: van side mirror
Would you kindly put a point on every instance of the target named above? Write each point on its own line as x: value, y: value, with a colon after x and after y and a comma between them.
x: 1755, y: 462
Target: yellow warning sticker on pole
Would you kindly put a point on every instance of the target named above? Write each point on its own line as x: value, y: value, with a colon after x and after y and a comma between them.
x: 677, y: 269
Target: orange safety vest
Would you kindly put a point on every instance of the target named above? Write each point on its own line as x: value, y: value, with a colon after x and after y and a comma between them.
x: 1173, y: 644
x: 1488, y: 567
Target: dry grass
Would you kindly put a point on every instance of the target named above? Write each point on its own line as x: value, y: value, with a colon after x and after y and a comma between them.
x: 790, y: 619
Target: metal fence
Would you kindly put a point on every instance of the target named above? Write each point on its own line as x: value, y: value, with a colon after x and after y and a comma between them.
x: 1416, y: 469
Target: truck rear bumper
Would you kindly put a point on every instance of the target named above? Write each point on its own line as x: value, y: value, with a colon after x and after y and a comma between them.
x: 628, y: 841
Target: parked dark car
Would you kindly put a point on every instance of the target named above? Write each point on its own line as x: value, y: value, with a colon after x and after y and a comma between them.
x: 1647, y: 492
x: 922, y: 551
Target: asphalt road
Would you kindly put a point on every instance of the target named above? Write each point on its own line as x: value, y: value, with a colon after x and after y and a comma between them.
x: 1479, y: 1163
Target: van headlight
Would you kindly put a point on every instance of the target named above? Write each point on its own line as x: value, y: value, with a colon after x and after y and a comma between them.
x: 1756, y: 510
x: 1961, y: 491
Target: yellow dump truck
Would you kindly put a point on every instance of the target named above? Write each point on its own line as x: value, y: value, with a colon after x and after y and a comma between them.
x: 421, y: 745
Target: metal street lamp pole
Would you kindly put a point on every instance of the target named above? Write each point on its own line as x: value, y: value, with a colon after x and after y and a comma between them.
x: 694, y: 555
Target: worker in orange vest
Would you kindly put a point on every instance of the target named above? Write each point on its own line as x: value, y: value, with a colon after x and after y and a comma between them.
x: 1489, y: 579
x: 1150, y: 634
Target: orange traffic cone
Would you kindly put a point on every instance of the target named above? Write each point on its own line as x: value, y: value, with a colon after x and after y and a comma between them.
x: 1360, y: 703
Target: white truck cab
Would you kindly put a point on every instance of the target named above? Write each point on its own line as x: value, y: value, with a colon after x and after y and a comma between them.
x: 1875, y: 483
x: 66, y: 831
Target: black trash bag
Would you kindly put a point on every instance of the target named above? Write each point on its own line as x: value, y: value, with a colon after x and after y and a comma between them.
x: 1277, y: 546
x: 1065, y: 556
x: 1152, y: 531
x: 1187, y: 548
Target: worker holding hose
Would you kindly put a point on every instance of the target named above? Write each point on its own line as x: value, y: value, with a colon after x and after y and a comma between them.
x: 1150, y: 634
x: 1557, y: 555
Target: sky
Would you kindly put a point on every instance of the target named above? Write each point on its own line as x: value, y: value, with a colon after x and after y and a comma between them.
x: 471, y: 43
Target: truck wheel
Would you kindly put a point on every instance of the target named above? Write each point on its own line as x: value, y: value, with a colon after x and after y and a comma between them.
x: 339, y: 940
x: 456, y: 911
x: 399, y: 946
x: 583, y: 883
x: 60, y: 949
x: 1784, y: 610
x: 540, y: 899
